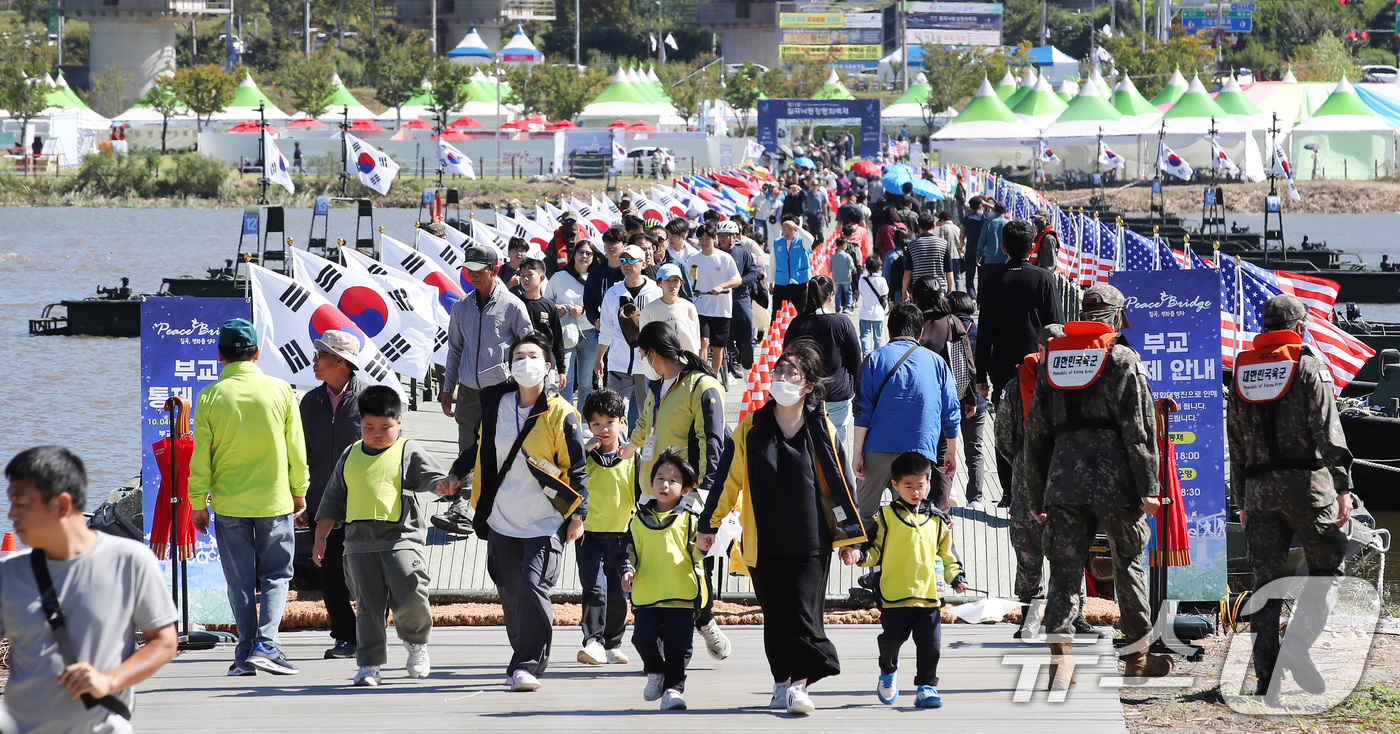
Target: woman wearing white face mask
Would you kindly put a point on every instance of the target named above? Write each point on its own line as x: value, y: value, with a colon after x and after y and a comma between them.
x: 787, y: 474
x: 530, y: 499
x: 684, y: 408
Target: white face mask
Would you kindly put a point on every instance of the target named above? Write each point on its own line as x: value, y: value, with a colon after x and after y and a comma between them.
x: 529, y: 371
x: 786, y: 393
x: 648, y: 371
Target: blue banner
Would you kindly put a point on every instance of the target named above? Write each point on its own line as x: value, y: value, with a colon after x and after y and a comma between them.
x: 1174, y: 318
x: 179, y: 356
x: 867, y: 111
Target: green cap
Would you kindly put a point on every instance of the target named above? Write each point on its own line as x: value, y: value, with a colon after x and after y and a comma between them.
x: 238, y: 333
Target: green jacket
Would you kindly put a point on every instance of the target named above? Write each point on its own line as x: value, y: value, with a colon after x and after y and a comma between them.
x: 249, y: 453
x: 690, y: 417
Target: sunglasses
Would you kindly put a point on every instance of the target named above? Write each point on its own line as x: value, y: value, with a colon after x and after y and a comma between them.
x: 628, y: 260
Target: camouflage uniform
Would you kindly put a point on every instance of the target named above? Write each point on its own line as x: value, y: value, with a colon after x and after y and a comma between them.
x: 1288, y: 462
x: 1090, y: 459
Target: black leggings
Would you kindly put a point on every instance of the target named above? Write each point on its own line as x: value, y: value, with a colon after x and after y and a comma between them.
x: 792, y: 593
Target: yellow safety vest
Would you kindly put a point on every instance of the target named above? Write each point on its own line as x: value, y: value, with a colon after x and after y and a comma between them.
x: 374, y: 484
x: 911, y: 570
x: 611, y: 498
x: 666, y: 573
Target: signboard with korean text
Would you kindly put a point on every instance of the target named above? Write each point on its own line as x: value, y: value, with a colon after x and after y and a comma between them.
x: 831, y: 33
x: 1174, y: 324
x: 179, y: 356
x: 862, y: 112
x: 970, y: 24
x: 829, y: 53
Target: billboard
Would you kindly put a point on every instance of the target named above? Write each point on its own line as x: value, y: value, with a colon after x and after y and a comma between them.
x: 961, y: 24
x: 830, y: 33
x: 830, y: 53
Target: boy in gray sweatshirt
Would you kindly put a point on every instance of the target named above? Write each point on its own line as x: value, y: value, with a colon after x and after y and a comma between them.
x: 372, y: 493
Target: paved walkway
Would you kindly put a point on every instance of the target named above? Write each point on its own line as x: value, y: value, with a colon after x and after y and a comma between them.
x: 466, y: 691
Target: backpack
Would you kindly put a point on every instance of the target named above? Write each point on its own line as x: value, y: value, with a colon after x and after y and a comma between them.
x: 949, y: 339
x: 629, y: 319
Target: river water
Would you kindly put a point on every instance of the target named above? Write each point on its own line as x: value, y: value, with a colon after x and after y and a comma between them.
x: 82, y: 392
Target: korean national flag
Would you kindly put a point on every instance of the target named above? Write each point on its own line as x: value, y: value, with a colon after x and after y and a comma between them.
x: 374, y: 167
x: 453, y: 161
x: 1110, y: 158
x: 278, y: 171
x: 1170, y: 162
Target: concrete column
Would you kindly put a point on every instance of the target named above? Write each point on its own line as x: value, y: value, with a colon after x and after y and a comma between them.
x: 140, y: 47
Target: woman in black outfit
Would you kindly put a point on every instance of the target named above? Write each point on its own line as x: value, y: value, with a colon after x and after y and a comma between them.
x: 838, y: 343
x: 787, y: 475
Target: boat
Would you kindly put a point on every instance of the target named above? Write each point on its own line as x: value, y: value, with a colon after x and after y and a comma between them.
x: 112, y: 312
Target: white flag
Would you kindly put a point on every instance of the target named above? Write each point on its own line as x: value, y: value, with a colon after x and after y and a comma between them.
x: 1282, y: 168
x: 651, y: 41
x: 755, y: 150
x: 386, y: 317
x: 374, y: 167
x: 589, y: 213
x: 453, y: 161
x: 1169, y: 162
x: 445, y: 255
x: 290, y: 317
x: 668, y: 199
x: 423, y: 296
x: 1047, y: 155
x: 1110, y: 158
x: 396, y: 257
x: 275, y: 166
x: 1220, y: 160
x: 671, y: 41
x: 607, y: 207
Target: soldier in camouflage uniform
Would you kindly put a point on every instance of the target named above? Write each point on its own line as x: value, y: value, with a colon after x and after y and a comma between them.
x: 1023, y: 529
x: 1091, y: 461
x: 1290, y: 472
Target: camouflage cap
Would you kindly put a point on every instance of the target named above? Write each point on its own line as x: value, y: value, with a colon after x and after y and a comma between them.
x: 1102, y: 296
x: 1051, y: 331
x: 1283, y: 311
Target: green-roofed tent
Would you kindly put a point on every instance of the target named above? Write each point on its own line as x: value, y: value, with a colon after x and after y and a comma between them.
x: 1075, y: 135
x: 1129, y: 101
x: 1040, y: 106
x: 62, y: 83
x: 1195, y: 102
x: 985, y: 133
x: 245, y: 104
x: 1027, y: 84
x: 909, y: 107
x: 1188, y: 125
x: 1066, y: 90
x: 340, y: 99
x: 1232, y: 99
x: 1007, y: 86
x: 833, y: 89
x: 1352, y: 141
x: 1176, y: 86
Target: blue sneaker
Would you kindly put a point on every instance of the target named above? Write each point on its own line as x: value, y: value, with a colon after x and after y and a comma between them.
x: 927, y: 698
x: 269, y: 659
x: 887, y: 690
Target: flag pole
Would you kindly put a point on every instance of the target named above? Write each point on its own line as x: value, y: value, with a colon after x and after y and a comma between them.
x: 1239, y: 304
x: 263, y: 180
x: 344, y: 151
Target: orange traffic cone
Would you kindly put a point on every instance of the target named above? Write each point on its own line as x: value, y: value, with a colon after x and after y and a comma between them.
x: 8, y: 544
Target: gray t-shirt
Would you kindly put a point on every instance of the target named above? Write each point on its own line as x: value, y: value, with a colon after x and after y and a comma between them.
x: 106, y: 592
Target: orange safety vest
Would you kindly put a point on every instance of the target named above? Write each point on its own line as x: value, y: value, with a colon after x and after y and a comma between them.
x: 1264, y: 373
x: 1026, y: 377
x: 1076, y: 360
x: 1035, y: 246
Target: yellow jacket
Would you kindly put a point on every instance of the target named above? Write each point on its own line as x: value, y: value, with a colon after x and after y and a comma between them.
x: 911, y: 546
x: 750, y: 441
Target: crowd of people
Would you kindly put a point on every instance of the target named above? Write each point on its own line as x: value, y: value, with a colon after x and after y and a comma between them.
x: 589, y: 386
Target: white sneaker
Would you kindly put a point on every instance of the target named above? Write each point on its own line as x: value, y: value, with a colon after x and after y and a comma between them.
x: 716, y: 643
x: 672, y: 700
x: 617, y: 657
x: 798, y: 702
x: 975, y: 505
x: 593, y: 653
x: 779, y: 700
x: 522, y: 681
x: 418, y: 666
x: 653, y: 689
x: 368, y: 676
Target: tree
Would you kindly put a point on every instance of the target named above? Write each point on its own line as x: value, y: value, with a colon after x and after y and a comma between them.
x: 800, y: 81
x: 689, y: 85
x: 557, y: 92
x: 165, y: 100
x: 113, y: 91
x: 1150, y: 69
x: 448, y: 83
x: 24, y: 85
x: 204, y: 90
x: 399, y: 75
x: 309, y: 81
x: 1327, y: 60
x: 741, y: 91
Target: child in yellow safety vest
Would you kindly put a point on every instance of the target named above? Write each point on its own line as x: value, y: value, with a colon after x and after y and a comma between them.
x: 913, y: 550
x: 602, y: 551
x: 665, y: 575
x: 372, y: 494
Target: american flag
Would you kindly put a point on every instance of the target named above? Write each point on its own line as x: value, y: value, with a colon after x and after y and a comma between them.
x: 1198, y: 262
x: 1067, y: 257
x: 1143, y: 253
x: 1316, y: 293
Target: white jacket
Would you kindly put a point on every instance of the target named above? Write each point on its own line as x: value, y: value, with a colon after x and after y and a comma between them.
x: 620, y: 357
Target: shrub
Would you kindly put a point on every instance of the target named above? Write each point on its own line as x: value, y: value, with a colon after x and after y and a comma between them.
x: 108, y: 174
x: 192, y: 174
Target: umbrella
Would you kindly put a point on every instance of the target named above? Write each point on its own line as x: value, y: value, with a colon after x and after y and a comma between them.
x: 615, y: 124
x: 306, y: 122
x: 465, y: 122
x: 866, y: 168
x: 415, y: 124
x: 645, y: 127
x: 365, y: 126
x: 561, y: 125
x: 804, y: 162
x: 453, y: 135
x: 899, y: 174
x: 250, y: 126
x: 520, y: 124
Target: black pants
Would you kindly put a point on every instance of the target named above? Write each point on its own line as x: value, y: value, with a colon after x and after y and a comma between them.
x: 600, y: 559
x: 663, y: 640
x: 706, y: 614
x: 741, y: 333
x: 792, y: 593
x: 525, y: 569
x: 335, y: 591
x: 795, y: 294
x: 927, y: 628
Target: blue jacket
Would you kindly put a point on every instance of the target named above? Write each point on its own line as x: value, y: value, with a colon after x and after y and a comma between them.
x: 918, y: 407
x: 989, y: 244
x: 792, y: 262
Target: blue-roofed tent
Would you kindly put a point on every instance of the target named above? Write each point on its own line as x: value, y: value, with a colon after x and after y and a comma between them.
x: 471, y: 50
x: 1053, y: 63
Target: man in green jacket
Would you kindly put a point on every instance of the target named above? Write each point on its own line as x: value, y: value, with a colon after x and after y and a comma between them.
x: 249, y: 464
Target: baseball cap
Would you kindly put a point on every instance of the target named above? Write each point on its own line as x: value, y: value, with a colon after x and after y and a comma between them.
x: 633, y: 251
x: 479, y: 258
x: 341, y: 344
x: 727, y: 227
x: 668, y: 271
x: 1282, y: 311
x: 1101, y: 298
x: 237, y: 333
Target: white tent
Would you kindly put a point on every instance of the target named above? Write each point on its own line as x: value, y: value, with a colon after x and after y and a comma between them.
x: 245, y: 104
x: 1343, y: 139
x: 471, y: 50
x: 520, y: 51
x: 986, y: 133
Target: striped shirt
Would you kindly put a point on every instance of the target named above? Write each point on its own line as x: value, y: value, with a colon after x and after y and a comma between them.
x: 928, y: 255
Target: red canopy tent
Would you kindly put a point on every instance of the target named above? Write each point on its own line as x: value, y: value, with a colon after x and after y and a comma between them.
x: 250, y: 126
x: 465, y: 122
x: 415, y: 124
x: 644, y: 127
x: 452, y: 136
x: 364, y: 126
x: 615, y: 124
x: 306, y: 122
x: 561, y: 125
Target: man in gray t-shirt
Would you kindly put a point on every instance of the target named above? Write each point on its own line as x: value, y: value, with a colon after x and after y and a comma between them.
x: 106, y: 586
